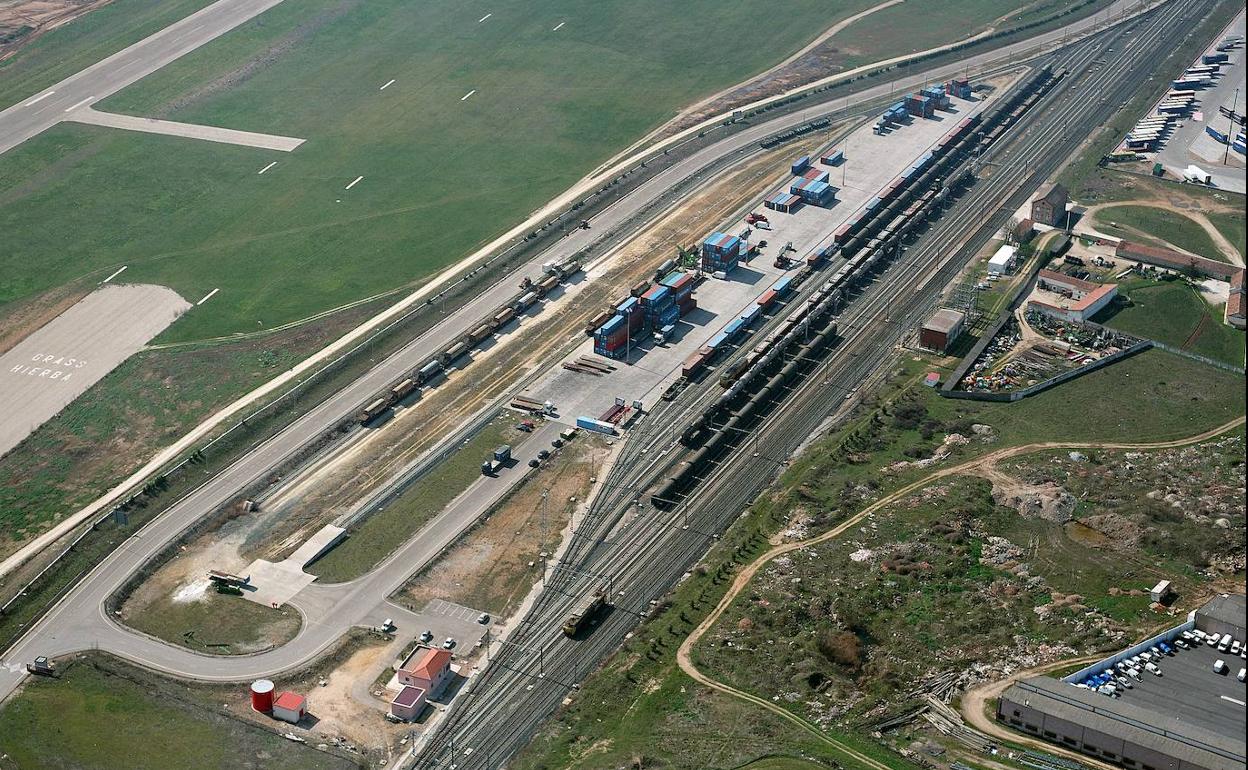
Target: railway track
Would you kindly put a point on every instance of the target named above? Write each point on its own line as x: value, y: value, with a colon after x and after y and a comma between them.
x: 644, y: 558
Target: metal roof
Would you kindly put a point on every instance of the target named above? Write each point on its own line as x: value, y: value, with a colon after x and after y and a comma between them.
x: 1140, y: 726
x: 944, y: 321
x: 1227, y: 608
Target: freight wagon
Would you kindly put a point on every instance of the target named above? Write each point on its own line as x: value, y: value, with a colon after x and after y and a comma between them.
x: 586, y: 613
x: 374, y: 410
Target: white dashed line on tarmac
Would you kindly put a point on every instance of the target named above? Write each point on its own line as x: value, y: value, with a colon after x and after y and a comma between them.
x: 266, y: 168
x: 354, y: 182
x: 556, y: 29
x: 207, y: 297
x: 73, y: 107
x: 1232, y: 700
x: 483, y: 18
x: 39, y: 98
x: 387, y: 85
x: 114, y: 275
x: 464, y: 98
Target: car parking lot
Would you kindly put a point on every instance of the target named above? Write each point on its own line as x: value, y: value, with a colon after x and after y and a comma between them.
x: 1185, y: 690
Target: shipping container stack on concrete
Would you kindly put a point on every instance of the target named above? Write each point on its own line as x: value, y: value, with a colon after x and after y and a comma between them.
x: 660, y: 307
x: 721, y: 253
x: 800, y: 165
x: 735, y: 317
x: 784, y: 202
x: 814, y: 192
x: 611, y: 339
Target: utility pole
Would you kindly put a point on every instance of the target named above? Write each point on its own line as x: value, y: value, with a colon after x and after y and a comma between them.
x: 1230, y: 128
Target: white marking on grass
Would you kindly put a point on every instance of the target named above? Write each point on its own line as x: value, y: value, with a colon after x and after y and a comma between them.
x: 1232, y: 700
x: 39, y: 98
x: 464, y: 98
x: 483, y: 18
x: 354, y: 182
x: 387, y: 85
x: 207, y: 297
x: 266, y: 168
x: 556, y: 29
x: 73, y: 107
x: 114, y: 275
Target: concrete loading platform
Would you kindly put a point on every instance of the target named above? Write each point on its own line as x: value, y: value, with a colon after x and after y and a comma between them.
x: 275, y: 583
x: 871, y: 163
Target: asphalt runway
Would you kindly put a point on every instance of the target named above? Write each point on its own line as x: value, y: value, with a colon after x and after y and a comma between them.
x: 46, y: 371
x: 45, y: 109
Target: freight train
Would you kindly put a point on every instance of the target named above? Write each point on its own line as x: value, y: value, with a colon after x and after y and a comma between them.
x: 762, y: 378
x: 531, y: 292
x: 586, y: 613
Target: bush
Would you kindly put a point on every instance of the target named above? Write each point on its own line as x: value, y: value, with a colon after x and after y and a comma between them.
x: 842, y: 648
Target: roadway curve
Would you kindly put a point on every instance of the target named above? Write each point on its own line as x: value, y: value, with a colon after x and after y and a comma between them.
x: 684, y: 657
x: 78, y: 622
x: 27, y: 118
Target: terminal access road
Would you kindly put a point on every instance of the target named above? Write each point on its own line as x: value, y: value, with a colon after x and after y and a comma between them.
x: 79, y: 620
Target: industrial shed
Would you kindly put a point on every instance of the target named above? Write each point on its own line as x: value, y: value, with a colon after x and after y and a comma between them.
x: 941, y: 330
x: 1113, y: 730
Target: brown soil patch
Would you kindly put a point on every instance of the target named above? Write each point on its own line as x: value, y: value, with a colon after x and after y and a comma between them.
x: 21, y: 318
x: 22, y: 21
x: 489, y: 568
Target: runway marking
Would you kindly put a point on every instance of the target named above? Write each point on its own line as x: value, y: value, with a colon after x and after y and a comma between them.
x: 387, y: 85
x: 354, y: 182
x: 39, y: 98
x: 266, y: 168
x: 207, y: 297
x: 483, y: 18
x: 464, y: 98
x: 1232, y: 700
x: 79, y: 104
x: 114, y: 275
x: 556, y: 29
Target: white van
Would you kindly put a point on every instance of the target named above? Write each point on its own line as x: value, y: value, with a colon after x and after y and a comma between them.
x: 1211, y: 640
x: 1152, y: 668
x: 1219, y: 666
x: 1240, y: 676
x: 1225, y: 644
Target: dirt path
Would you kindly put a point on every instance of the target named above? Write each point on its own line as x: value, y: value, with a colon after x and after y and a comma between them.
x: 981, y: 466
x: 1226, y: 247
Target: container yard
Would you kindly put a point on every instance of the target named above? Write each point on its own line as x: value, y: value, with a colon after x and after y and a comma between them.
x: 738, y: 287
x: 1204, y: 116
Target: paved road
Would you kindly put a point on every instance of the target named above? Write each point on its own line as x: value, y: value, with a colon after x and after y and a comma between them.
x: 78, y: 621
x: 104, y: 78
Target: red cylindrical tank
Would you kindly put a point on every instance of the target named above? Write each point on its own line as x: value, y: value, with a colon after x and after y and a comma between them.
x: 262, y: 695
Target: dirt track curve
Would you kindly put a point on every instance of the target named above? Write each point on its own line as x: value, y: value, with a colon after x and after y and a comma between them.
x: 684, y: 657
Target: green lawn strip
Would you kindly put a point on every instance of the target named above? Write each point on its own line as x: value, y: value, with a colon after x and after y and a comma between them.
x: 1170, y: 312
x: 1231, y: 225
x: 386, y: 530
x: 91, y: 718
x: 71, y: 47
x: 1164, y: 225
x: 219, y: 624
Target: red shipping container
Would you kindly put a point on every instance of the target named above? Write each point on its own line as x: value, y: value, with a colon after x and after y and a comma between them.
x: 767, y: 298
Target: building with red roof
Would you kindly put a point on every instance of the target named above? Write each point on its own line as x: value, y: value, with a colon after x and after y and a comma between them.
x: 428, y: 669
x: 290, y: 707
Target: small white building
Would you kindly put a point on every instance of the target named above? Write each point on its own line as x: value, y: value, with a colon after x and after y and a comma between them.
x: 1003, y: 261
x: 1160, y: 592
x: 290, y: 707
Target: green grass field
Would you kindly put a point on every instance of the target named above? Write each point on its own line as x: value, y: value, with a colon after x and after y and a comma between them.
x: 1164, y: 225
x: 71, y: 47
x: 1231, y: 225
x: 219, y: 624
x: 441, y: 175
x: 1170, y: 312
x: 103, y: 720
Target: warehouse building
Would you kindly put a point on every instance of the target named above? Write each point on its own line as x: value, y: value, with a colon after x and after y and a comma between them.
x: 1190, y: 718
x: 1070, y: 299
x: 1116, y: 731
x: 941, y: 330
x: 1002, y: 262
x: 1049, y: 205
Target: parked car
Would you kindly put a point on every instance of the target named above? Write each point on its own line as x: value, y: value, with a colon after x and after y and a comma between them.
x: 1219, y: 666
x: 449, y: 643
x: 483, y: 618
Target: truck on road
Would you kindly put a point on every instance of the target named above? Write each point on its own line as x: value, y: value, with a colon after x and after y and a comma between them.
x: 501, y: 457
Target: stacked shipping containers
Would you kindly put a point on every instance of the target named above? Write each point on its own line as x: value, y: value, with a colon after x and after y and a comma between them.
x: 660, y: 307
x: 920, y: 106
x: 818, y: 193
x: 720, y: 253
x: 800, y: 165
x: 611, y: 339
x: 632, y: 312
x: 681, y: 285
x: 834, y: 158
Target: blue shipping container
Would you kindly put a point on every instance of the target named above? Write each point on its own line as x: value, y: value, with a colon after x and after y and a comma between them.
x: 668, y: 316
x: 714, y: 342
x: 627, y: 306
x: 781, y: 286
x: 734, y: 328
x: 801, y: 164
x: 611, y: 326
x: 752, y: 314
x: 670, y: 280
x: 1216, y: 134
x: 598, y: 426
